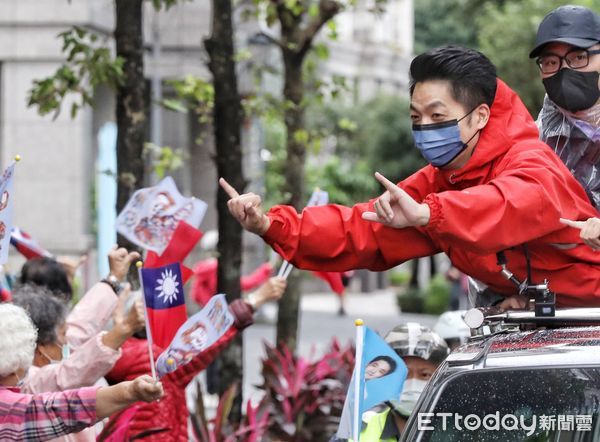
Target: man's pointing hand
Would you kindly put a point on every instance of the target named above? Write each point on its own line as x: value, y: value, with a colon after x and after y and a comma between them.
x: 247, y: 209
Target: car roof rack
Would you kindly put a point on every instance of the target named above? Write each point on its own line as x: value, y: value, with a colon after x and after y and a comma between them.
x: 490, y: 320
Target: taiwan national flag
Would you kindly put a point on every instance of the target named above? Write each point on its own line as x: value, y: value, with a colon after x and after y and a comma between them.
x: 26, y: 245
x: 165, y: 301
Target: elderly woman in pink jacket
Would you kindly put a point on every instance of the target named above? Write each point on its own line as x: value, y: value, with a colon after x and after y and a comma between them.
x: 95, y: 351
x: 43, y: 416
x: 93, y: 311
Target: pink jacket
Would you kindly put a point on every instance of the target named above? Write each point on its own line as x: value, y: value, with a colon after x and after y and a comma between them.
x: 91, y: 314
x: 90, y: 359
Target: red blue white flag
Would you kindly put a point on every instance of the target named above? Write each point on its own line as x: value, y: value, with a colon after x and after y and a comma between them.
x: 165, y: 302
x: 26, y: 245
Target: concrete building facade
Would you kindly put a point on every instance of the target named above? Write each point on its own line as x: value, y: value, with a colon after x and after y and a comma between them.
x: 54, y: 183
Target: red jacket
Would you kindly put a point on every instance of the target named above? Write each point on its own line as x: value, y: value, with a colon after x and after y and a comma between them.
x: 511, y: 192
x: 204, y: 284
x: 170, y: 413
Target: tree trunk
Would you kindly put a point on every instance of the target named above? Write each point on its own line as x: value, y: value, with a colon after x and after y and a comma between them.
x: 227, y: 124
x: 293, y: 92
x: 414, y: 274
x: 131, y: 107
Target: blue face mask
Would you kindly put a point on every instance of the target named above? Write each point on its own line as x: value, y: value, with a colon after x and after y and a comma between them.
x: 439, y: 143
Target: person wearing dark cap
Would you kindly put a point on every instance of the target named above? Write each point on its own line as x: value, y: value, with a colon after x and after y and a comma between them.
x: 567, y: 52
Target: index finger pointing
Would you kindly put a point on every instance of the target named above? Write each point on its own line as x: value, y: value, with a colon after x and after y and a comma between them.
x: 391, y: 187
x: 229, y: 190
x: 571, y: 223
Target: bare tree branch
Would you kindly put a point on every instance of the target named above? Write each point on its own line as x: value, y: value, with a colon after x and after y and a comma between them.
x: 327, y: 10
x: 272, y: 39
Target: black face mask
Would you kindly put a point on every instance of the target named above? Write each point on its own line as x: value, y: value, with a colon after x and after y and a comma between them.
x: 573, y: 90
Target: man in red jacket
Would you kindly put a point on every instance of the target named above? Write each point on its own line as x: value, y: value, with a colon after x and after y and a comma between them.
x: 491, y: 186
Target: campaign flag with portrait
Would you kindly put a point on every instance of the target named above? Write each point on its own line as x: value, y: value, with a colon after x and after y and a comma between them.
x: 152, y: 214
x: 196, y: 335
x: 6, y: 211
x: 165, y: 302
x: 381, y: 375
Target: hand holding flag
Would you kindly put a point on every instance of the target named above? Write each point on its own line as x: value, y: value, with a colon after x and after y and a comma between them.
x: 590, y: 230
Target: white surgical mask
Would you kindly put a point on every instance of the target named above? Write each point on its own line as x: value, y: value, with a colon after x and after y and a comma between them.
x: 411, y: 391
x: 65, y: 350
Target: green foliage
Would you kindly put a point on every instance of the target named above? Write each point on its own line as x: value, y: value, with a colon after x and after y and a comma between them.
x: 275, y: 135
x: 442, y: 22
x: 378, y: 131
x: 399, y: 278
x: 437, y: 296
x: 507, y: 35
x: 346, y: 183
x: 360, y: 140
x: 193, y: 93
x: 158, y: 4
x: 504, y: 30
x: 89, y: 64
x: 164, y: 159
x: 411, y: 301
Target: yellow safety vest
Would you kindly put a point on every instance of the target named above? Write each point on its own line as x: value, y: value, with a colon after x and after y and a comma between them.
x: 375, y: 423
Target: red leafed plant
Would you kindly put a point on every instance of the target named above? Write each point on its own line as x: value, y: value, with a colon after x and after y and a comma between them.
x: 306, y: 398
x: 219, y: 429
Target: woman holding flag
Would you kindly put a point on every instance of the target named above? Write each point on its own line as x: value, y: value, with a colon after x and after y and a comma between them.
x: 41, y: 417
x: 167, y: 420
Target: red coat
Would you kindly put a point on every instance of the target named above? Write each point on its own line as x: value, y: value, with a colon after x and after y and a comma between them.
x: 204, y: 284
x: 512, y: 191
x: 171, y: 412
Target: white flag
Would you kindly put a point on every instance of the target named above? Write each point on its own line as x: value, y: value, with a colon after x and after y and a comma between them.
x: 152, y: 214
x: 196, y: 335
x: 6, y: 211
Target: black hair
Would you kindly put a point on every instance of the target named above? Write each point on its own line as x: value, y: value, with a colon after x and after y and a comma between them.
x: 45, y: 310
x: 49, y: 273
x: 390, y: 361
x: 471, y: 74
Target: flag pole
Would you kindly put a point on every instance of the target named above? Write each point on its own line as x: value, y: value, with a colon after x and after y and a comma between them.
x: 282, y: 269
x: 288, y: 270
x: 357, y: 379
x: 139, y: 265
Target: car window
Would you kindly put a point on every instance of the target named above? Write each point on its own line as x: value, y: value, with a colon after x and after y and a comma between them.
x: 532, y: 405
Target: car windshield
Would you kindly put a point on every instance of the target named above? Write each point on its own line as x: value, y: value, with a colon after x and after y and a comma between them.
x: 533, y: 405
